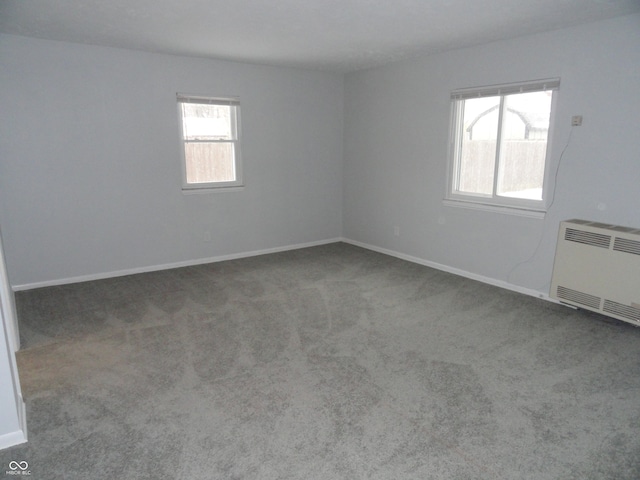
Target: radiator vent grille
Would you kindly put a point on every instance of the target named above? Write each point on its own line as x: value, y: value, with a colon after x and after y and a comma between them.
x: 626, y: 245
x: 575, y: 296
x: 597, y: 267
x: 625, y: 311
x: 588, y: 238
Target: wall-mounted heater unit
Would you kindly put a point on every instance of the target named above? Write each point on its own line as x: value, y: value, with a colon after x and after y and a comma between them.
x: 597, y: 267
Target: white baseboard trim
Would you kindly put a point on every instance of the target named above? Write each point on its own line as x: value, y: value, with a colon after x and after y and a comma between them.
x: 167, y: 266
x: 455, y: 271
x: 22, y: 418
x: 19, y: 436
x: 234, y: 256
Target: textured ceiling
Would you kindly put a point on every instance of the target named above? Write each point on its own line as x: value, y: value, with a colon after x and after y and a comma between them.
x: 335, y: 35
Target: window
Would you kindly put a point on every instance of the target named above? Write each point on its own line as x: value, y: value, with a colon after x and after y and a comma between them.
x: 211, y: 142
x: 499, y: 139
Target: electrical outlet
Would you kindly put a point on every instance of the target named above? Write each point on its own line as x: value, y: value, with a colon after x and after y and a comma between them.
x: 576, y: 120
x: 396, y: 231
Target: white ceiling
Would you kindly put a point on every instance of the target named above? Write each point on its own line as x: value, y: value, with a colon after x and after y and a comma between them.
x: 335, y: 35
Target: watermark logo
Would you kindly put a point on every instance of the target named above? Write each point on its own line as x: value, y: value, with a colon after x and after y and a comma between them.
x: 18, y: 468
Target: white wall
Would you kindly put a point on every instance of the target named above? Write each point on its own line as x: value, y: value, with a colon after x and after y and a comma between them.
x: 89, y: 152
x: 89, y: 160
x: 12, y: 431
x: 12, y: 408
x: 396, y: 134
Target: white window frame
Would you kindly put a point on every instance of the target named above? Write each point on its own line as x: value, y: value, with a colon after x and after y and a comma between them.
x: 203, y: 187
x: 494, y: 202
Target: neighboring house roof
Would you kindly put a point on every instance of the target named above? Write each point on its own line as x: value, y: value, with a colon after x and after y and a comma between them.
x: 533, y: 122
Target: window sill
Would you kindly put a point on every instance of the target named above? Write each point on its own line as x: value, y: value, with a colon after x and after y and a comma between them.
x: 198, y: 190
x: 518, y: 211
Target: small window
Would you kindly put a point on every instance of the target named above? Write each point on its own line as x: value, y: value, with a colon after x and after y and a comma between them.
x: 211, y: 142
x: 499, y: 143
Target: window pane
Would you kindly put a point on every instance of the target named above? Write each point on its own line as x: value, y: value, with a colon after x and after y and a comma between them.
x: 207, y: 122
x: 209, y: 162
x: 478, y: 145
x: 524, y: 145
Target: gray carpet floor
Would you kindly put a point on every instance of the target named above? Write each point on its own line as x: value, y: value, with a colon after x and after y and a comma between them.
x: 330, y: 362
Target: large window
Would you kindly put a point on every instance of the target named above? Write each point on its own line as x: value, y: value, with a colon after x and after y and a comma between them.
x: 499, y: 142
x: 211, y: 142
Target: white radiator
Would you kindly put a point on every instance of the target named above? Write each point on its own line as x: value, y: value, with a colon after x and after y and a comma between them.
x: 597, y: 267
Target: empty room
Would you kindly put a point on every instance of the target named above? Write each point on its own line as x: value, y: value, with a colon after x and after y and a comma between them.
x: 320, y: 239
